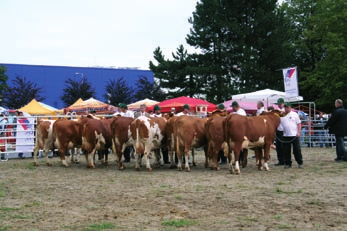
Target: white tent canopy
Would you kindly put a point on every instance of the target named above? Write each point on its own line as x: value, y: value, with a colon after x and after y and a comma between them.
x: 266, y: 95
x: 147, y: 102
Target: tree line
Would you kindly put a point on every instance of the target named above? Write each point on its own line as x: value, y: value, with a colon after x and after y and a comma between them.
x: 243, y: 45
x: 22, y: 91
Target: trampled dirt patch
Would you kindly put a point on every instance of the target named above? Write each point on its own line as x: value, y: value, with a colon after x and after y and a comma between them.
x: 76, y: 198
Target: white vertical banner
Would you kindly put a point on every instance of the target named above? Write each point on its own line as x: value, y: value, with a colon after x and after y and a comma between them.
x: 25, y: 134
x: 291, y: 82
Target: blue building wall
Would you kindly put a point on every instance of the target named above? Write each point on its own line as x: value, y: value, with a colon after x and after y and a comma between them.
x: 52, y: 78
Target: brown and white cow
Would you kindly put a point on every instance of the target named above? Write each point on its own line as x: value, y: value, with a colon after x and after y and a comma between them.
x: 96, y: 135
x: 149, y: 135
x: 121, y: 137
x: 189, y: 132
x: 241, y: 132
x: 67, y: 135
x: 43, y: 139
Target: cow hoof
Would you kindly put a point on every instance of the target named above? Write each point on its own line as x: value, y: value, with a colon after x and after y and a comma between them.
x: 121, y: 168
x: 35, y: 164
x: 237, y: 172
x: 187, y: 169
x: 137, y: 169
x: 149, y: 169
x: 194, y: 164
x: 266, y: 169
x: 172, y: 166
x: 48, y: 164
x: 77, y: 162
x: 179, y: 168
x: 218, y: 169
x: 206, y: 165
x: 156, y: 165
x: 231, y: 171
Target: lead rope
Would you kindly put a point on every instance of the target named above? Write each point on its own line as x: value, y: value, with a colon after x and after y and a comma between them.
x: 286, y: 142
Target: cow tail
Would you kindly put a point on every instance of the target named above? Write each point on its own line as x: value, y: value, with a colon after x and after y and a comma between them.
x: 176, y: 138
x: 54, y: 136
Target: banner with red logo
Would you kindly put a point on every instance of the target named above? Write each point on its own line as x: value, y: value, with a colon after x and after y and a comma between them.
x: 291, y: 82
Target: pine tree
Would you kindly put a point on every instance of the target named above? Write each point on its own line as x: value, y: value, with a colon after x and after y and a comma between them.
x: 75, y: 89
x: 146, y: 89
x: 21, y: 93
x: 3, y: 82
x: 118, y: 91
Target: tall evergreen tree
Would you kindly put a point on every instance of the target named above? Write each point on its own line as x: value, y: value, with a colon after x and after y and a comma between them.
x: 178, y: 76
x: 146, y: 89
x: 320, y: 29
x: 3, y: 82
x: 75, y: 89
x: 21, y: 92
x: 236, y: 39
x: 118, y: 91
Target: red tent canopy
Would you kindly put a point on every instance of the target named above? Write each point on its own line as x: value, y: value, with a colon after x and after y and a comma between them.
x: 178, y: 103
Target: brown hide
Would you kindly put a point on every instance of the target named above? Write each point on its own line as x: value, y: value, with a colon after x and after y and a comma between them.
x: 65, y: 132
x: 119, y: 128
x: 237, y: 127
x: 189, y: 132
x: 215, y: 137
x: 96, y: 135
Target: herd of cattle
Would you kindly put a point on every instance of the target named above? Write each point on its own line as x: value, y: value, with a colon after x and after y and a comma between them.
x: 231, y: 133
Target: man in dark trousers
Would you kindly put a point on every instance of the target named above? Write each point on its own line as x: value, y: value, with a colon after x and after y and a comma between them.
x: 279, y: 136
x: 337, y: 125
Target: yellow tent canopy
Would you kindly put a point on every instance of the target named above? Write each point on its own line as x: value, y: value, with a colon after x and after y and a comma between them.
x: 77, y: 102
x: 35, y: 108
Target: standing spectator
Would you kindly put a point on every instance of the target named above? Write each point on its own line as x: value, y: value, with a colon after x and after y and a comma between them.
x: 260, y: 107
x: 157, y: 111
x: 279, y: 135
x: 186, y: 110
x: 126, y: 113
x: 165, y: 150
x: 291, y: 132
x: 142, y: 112
x: 3, y: 123
x: 321, y: 132
x: 302, y: 117
x: 238, y: 110
x: 337, y: 125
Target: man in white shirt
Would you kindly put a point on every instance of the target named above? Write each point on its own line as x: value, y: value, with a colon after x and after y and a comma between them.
x: 157, y: 111
x: 124, y: 111
x: 185, y: 111
x: 279, y: 136
x: 291, y: 124
x: 237, y: 109
x: 260, y: 107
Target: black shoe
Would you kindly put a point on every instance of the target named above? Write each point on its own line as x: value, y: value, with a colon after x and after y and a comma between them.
x: 167, y: 162
x: 223, y: 162
x: 344, y: 159
x: 338, y: 159
x: 126, y: 161
x: 279, y: 164
x: 287, y: 166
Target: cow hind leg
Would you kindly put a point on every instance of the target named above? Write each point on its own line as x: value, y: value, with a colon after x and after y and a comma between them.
x: 148, y: 164
x: 186, y: 154
x: 237, y: 156
x: 266, y: 157
x: 172, y: 165
x: 193, y: 156
x: 244, y: 161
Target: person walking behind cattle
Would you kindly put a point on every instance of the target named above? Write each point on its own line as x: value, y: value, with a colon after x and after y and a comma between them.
x: 337, y: 125
x: 291, y: 124
x: 238, y: 110
x: 157, y: 111
x: 142, y: 112
x: 260, y: 107
x: 186, y: 110
x: 279, y: 136
x: 126, y: 113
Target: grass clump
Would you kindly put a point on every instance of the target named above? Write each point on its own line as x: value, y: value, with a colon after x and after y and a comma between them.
x: 284, y: 226
x: 179, y: 223
x: 5, y: 228
x: 102, y: 226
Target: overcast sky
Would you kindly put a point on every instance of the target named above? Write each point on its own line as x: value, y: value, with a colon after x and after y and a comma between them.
x: 91, y: 32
